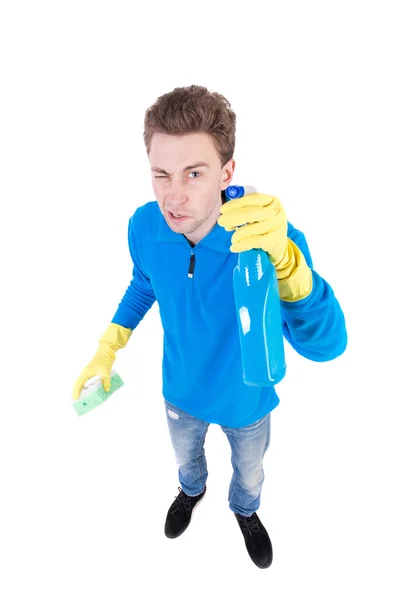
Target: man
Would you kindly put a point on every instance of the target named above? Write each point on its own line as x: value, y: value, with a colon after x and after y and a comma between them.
x: 184, y: 254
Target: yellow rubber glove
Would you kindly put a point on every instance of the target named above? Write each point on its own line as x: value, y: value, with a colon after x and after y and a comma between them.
x: 114, y: 338
x: 260, y: 222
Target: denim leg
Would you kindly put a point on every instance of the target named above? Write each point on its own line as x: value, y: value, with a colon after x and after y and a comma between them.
x: 188, y: 435
x: 248, y: 445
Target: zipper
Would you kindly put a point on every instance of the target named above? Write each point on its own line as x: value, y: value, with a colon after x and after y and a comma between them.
x: 192, y: 263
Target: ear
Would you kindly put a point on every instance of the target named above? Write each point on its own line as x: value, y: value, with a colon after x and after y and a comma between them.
x: 227, y: 173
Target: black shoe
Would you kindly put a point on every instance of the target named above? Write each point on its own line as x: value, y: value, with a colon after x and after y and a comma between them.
x: 180, y: 513
x: 256, y: 539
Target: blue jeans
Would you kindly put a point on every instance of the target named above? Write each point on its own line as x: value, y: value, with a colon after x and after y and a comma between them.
x: 248, y: 445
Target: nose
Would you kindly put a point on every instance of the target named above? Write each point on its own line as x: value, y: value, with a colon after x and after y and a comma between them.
x: 176, y: 196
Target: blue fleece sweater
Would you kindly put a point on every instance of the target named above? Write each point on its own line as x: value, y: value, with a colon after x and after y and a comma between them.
x: 202, y: 365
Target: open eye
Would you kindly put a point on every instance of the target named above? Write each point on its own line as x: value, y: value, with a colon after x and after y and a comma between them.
x: 191, y: 172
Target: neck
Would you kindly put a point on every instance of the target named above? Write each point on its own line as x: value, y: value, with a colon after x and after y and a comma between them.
x: 208, y: 225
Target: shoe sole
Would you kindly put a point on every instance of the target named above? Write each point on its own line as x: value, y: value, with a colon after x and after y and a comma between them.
x: 262, y: 566
x: 173, y: 537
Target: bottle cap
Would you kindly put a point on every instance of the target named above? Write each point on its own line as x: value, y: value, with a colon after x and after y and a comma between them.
x: 237, y: 191
x: 234, y: 191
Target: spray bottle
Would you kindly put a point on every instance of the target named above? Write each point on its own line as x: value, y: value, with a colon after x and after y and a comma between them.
x: 257, y: 301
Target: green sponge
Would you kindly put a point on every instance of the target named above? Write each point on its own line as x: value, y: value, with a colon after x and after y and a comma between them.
x: 94, y: 394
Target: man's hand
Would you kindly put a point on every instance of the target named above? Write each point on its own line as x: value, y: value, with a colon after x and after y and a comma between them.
x: 261, y: 222
x: 113, y: 339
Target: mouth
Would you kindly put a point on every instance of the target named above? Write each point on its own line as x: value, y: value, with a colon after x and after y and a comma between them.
x: 176, y: 217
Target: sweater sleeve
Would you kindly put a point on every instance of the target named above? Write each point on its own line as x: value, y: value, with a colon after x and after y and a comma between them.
x: 139, y: 296
x: 314, y: 326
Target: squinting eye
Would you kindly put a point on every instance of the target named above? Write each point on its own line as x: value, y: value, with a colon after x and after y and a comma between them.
x: 164, y: 176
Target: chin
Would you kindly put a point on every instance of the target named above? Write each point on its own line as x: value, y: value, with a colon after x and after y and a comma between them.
x: 184, y: 228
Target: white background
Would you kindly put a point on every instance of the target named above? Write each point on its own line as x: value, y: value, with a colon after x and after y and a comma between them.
x: 83, y: 500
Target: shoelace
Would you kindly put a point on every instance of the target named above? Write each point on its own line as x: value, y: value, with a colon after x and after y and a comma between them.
x: 249, y: 524
x: 182, y: 499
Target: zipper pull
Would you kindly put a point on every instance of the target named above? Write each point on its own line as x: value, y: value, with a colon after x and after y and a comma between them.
x: 191, y: 264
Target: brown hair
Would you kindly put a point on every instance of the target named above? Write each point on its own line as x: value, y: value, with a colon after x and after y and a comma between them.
x: 193, y: 109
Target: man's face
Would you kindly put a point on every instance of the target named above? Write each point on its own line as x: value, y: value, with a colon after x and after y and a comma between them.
x: 186, y: 188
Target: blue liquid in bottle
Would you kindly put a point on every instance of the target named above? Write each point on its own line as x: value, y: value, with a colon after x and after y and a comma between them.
x: 257, y: 301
